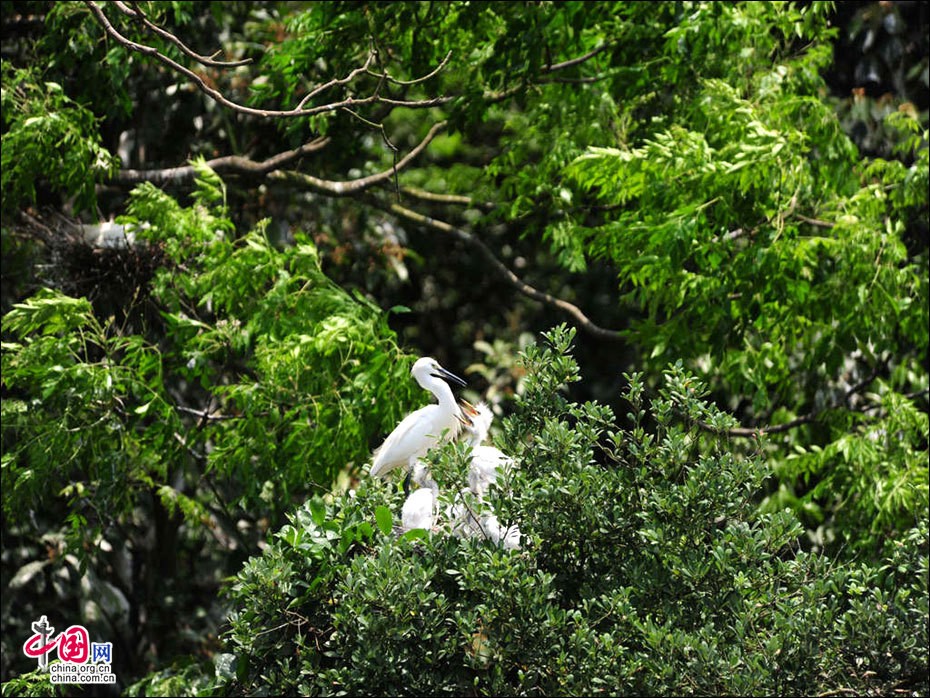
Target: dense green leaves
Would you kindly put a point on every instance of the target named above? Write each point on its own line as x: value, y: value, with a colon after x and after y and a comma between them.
x: 295, y: 375
x: 42, y: 124
x: 283, y: 424
x: 756, y: 246
x: 645, y: 570
x: 726, y: 494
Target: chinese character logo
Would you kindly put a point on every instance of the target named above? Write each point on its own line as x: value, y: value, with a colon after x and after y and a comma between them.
x: 101, y: 652
x: 74, y: 645
x: 80, y: 660
x: 39, y: 644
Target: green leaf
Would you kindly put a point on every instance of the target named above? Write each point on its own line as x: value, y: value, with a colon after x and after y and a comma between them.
x: 385, y: 519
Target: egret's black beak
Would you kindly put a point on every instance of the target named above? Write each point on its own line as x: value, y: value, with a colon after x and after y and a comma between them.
x: 448, y: 376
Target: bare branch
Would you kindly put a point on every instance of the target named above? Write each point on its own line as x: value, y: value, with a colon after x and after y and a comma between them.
x: 814, y: 221
x: 377, y: 127
x: 136, y: 13
x: 811, y: 416
x: 415, y: 81
x: 205, y: 415
x: 575, y: 61
x: 456, y: 199
x: 750, y: 432
x: 731, y: 235
x: 229, y: 163
x: 499, y: 267
x: 336, y: 81
x: 574, y: 81
x: 355, y: 186
x: 300, y: 110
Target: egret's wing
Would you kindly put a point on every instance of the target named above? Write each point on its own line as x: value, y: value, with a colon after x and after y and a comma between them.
x: 387, y: 456
x: 417, y: 433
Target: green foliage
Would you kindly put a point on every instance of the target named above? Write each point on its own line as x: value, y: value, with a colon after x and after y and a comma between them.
x: 41, y: 125
x: 645, y: 570
x: 308, y: 359
x: 752, y: 243
x: 34, y: 683
x: 295, y: 374
x: 678, y: 170
x: 292, y: 363
x: 80, y: 400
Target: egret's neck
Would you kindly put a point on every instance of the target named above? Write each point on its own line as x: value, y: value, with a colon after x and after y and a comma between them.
x: 443, y: 393
x: 474, y: 438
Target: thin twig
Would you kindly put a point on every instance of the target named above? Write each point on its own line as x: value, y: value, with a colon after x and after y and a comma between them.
x: 455, y: 199
x: 750, y: 432
x: 336, y: 81
x: 205, y: 415
x: 378, y: 127
x: 136, y: 13
x: 415, y: 81
x: 502, y: 270
x: 575, y: 61
x: 217, y: 96
x: 814, y: 221
x: 355, y: 186
x: 574, y: 81
x: 810, y: 417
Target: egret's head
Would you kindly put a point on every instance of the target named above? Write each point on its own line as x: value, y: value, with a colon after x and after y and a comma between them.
x: 478, y: 418
x: 427, y: 368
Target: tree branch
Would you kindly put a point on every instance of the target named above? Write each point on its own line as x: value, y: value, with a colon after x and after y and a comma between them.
x: 135, y: 12
x: 750, y: 432
x: 454, y: 199
x: 811, y: 416
x: 228, y: 163
x: 415, y: 81
x: 813, y: 221
x: 575, y: 61
x: 355, y: 186
x: 499, y: 267
x: 205, y: 415
x: 574, y: 81
x: 300, y: 110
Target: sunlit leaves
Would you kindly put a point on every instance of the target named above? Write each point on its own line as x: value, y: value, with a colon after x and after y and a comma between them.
x: 647, y: 570
x: 42, y: 125
x: 751, y: 243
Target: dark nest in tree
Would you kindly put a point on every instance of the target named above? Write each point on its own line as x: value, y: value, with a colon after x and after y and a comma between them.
x: 115, y: 275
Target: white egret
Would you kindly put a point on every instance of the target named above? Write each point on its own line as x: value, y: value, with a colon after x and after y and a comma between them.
x: 425, y: 428
x: 419, y: 510
x: 508, y: 537
x: 469, y: 515
x: 469, y: 518
x: 486, y: 461
x: 463, y: 515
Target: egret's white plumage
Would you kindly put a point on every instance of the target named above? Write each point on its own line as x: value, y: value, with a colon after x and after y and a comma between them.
x: 463, y: 515
x: 425, y: 428
x: 487, y: 462
x: 469, y: 517
x: 507, y: 537
x: 419, y: 509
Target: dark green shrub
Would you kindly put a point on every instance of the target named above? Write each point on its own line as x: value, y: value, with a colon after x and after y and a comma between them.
x: 645, y: 569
